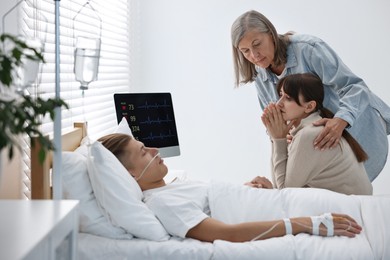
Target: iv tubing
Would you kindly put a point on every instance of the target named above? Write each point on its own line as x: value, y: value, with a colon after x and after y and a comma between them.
x: 147, y: 166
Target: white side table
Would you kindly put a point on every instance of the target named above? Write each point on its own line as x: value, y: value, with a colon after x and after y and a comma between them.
x: 38, y: 229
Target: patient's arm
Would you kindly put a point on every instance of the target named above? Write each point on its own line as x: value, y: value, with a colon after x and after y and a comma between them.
x: 211, y: 229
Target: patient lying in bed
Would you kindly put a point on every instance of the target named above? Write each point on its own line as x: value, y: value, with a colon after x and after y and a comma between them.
x: 183, y: 207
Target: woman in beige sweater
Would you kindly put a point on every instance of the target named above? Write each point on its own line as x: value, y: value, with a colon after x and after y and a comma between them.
x: 298, y: 163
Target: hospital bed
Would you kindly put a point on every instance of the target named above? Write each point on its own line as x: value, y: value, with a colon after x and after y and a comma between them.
x: 100, y: 238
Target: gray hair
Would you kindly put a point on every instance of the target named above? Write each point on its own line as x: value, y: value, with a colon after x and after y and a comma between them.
x: 244, y: 70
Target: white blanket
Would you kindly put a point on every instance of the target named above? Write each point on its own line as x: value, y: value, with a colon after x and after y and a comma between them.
x: 238, y: 203
x: 235, y: 203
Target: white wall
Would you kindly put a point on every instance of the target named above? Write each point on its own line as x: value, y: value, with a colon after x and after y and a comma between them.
x: 185, y: 49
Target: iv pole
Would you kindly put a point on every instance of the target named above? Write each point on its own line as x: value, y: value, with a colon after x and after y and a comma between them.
x: 57, y: 157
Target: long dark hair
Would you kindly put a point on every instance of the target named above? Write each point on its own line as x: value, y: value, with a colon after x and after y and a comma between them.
x: 310, y: 87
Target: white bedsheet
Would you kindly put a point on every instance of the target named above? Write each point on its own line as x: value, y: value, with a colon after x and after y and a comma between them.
x: 96, y: 248
x: 237, y: 203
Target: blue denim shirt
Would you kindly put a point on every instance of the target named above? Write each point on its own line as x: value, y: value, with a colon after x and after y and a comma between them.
x: 346, y: 95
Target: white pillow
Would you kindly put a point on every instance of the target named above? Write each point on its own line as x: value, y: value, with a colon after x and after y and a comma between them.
x: 76, y: 185
x: 120, y: 196
x: 123, y: 127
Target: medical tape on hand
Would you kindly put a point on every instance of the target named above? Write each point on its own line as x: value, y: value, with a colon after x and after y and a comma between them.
x: 288, y: 226
x: 327, y: 220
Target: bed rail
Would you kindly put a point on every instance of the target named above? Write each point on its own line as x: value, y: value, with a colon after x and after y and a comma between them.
x: 41, y: 172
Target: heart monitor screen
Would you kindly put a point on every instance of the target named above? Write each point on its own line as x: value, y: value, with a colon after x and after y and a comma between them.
x: 151, y: 119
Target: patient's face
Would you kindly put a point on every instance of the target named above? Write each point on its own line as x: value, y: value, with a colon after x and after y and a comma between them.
x: 139, y: 157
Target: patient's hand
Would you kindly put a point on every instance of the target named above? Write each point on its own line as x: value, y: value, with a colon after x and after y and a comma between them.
x: 260, y: 182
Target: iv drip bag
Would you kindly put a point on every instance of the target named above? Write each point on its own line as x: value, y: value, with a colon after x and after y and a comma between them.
x: 25, y: 75
x: 87, y: 45
x: 86, y: 60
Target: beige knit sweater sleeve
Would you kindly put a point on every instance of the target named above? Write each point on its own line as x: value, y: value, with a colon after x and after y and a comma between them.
x: 294, y: 165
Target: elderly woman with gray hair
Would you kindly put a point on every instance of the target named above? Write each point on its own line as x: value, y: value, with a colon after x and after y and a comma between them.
x: 262, y: 55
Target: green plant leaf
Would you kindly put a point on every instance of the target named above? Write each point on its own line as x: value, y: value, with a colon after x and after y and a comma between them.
x: 24, y: 116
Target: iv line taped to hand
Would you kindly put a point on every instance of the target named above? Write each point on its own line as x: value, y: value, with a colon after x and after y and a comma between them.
x: 326, y: 219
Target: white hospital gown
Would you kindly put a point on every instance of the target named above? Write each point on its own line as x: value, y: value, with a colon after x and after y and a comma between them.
x: 179, y: 206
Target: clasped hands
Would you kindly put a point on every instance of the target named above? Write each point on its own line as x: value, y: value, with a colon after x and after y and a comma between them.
x: 273, y: 120
x: 278, y: 128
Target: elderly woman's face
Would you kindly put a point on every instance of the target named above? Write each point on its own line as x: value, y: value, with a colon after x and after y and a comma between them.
x: 258, y: 48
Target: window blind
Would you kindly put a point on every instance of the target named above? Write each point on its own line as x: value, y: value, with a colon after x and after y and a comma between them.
x: 94, y: 105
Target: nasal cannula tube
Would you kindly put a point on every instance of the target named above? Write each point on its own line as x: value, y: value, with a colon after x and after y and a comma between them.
x: 147, y: 166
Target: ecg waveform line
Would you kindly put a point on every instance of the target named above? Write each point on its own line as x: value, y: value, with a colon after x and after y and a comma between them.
x: 154, y: 106
x: 156, y: 121
x: 161, y: 136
